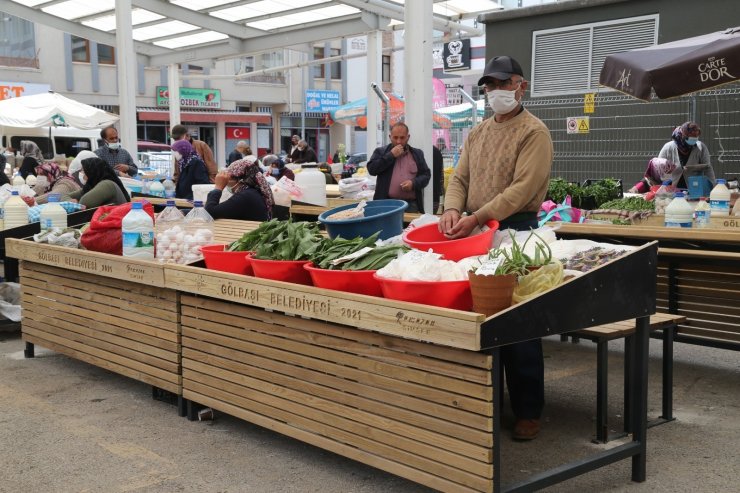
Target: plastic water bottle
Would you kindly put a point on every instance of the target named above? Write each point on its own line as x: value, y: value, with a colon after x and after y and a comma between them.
x: 169, y: 233
x: 137, y: 229
x: 719, y: 199
x: 145, y: 187
x: 198, y: 227
x: 156, y: 188
x: 31, y: 180
x: 18, y: 180
x: 53, y: 215
x: 169, y: 188
x: 702, y: 213
x: 16, y: 211
x: 679, y: 213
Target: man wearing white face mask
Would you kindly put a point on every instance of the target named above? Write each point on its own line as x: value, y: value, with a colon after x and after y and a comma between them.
x: 503, y: 174
x: 116, y: 156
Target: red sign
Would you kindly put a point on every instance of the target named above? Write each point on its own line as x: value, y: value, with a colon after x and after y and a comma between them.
x: 237, y: 133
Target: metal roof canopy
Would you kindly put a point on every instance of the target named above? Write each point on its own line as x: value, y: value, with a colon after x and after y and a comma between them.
x: 187, y: 31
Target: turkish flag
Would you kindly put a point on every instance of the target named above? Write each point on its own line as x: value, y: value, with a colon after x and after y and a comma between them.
x: 237, y: 133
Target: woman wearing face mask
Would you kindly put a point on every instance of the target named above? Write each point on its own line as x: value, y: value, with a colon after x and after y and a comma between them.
x: 686, y: 149
x: 100, y: 185
x: 191, y: 169
x: 58, y: 181
x: 276, y: 168
x: 251, y: 198
x: 32, y: 157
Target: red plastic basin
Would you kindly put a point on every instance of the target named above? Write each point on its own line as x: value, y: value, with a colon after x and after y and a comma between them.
x: 445, y: 294
x: 218, y: 259
x: 351, y: 281
x: 428, y: 237
x: 281, y: 270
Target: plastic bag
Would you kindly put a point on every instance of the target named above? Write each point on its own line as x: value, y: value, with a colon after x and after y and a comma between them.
x: 10, y: 301
x: 551, y: 211
x: 349, y: 187
x: 104, y: 232
x: 546, y: 277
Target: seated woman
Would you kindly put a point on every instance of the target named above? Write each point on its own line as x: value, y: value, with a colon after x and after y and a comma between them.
x: 686, y: 149
x: 658, y: 170
x: 100, y: 185
x: 276, y: 167
x: 32, y: 157
x: 57, y: 181
x: 191, y: 169
x: 252, y: 198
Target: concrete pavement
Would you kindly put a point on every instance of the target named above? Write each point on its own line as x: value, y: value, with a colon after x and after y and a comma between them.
x: 67, y: 426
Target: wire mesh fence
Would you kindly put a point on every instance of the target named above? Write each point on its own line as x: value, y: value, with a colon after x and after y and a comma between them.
x: 625, y: 133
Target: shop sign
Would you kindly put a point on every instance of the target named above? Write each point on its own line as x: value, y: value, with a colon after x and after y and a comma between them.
x: 456, y: 55
x: 191, y: 97
x: 10, y: 90
x: 322, y: 101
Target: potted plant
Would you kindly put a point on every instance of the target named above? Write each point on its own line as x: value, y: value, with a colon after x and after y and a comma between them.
x: 492, y: 284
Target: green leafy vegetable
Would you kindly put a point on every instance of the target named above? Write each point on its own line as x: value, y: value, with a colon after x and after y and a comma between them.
x: 281, y: 240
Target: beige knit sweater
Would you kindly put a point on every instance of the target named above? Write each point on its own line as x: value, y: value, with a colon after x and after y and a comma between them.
x: 504, y: 169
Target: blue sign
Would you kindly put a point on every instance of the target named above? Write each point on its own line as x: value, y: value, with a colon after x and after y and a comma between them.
x: 322, y: 101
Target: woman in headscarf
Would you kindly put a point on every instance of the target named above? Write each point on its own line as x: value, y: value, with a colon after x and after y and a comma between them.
x: 32, y: 157
x: 57, y: 181
x: 686, y: 149
x: 191, y: 169
x: 658, y: 171
x: 276, y: 167
x: 100, y: 185
x: 251, y: 198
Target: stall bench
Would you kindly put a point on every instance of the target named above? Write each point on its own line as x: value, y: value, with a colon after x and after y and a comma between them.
x: 601, y: 335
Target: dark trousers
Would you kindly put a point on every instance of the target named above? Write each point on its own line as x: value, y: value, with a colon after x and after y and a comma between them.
x: 524, y: 364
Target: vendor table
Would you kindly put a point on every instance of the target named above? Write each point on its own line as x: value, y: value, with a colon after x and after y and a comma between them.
x: 698, y: 275
x: 411, y: 389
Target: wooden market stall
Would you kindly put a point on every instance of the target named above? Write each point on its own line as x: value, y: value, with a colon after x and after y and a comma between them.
x: 698, y: 274
x: 411, y: 389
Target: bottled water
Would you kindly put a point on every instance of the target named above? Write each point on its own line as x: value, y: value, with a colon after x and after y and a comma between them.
x: 53, y: 215
x: 137, y: 229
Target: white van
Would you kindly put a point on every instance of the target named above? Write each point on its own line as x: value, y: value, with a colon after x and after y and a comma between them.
x: 62, y: 140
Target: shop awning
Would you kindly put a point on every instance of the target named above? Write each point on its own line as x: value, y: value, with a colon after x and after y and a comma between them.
x: 203, y: 116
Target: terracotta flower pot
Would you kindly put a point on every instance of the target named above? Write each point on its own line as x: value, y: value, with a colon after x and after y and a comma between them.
x: 491, y: 294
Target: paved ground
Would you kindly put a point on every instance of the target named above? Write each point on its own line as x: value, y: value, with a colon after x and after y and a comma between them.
x: 66, y: 426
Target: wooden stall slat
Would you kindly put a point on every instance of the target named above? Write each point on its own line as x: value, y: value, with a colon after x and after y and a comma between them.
x: 103, y: 359
x: 96, y: 331
x: 406, y: 366
x: 139, y: 293
x: 123, y: 318
x: 373, y: 460
x: 65, y: 293
x: 709, y: 331
x: 452, y: 355
x: 332, y: 413
x: 413, y: 425
x: 154, y: 366
x: 457, y: 409
x: 289, y: 421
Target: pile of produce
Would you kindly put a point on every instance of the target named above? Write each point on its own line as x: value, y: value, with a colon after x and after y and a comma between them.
x: 179, y: 245
x: 584, y: 197
x: 281, y: 240
x: 629, y: 204
x: 586, y: 260
x: 515, y: 260
x: 426, y: 266
x: 364, y: 254
x: 546, y: 277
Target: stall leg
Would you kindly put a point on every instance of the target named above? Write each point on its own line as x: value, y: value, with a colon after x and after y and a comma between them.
x: 191, y: 411
x: 629, y: 344
x: 182, y: 406
x: 668, y: 373
x: 638, y: 419
x: 602, y: 393
x: 29, y: 351
x: 497, y: 378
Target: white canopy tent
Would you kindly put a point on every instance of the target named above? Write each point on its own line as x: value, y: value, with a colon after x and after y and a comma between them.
x: 50, y: 109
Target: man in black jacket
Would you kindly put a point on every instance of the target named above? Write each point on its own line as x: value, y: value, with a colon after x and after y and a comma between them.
x: 401, y: 169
